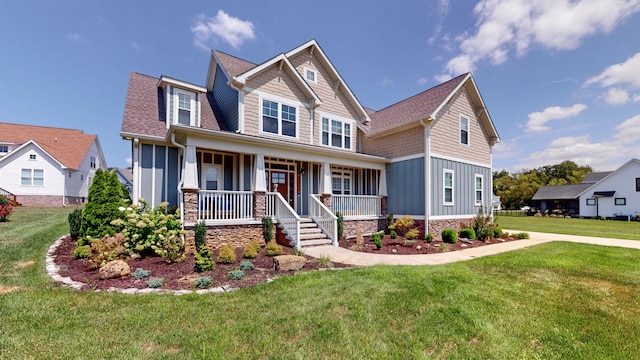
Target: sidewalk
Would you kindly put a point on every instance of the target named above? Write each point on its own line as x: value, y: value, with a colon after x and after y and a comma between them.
x: 345, y: 256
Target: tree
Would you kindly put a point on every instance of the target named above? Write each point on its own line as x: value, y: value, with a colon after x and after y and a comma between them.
x: 106, y: 196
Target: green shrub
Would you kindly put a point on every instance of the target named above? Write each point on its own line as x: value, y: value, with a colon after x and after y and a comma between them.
x: 377, y: 240
x: 141, y: 273
x: 155, y: 282
x: 82, y: 252
x: 449, y: 236
x: 105, y: 197
x: 521, y: 236
x: 170, y: 248
x: 402, y: 225
x: 428, y: 238
x: 412, y: 234
x: 251, y: 250
x: 203, y: 282
x: 5, y: 208
x: 273, y: 249
x: 497, y: 231
x: 236, y: 274
x: 340, y: 222
x: 202, y: 259
x: 482, y: 225
x: 468, y: 233
x: 389, y: 222
x: 267, y: 229
x: 393, y: 234
x: 200, y: 233
x: 227, y: 254
x: 107, y: 249
x: 246, y: 265
x: 75, y: 223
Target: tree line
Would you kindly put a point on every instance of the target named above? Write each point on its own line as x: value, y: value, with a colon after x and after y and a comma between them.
x: 516, y: 190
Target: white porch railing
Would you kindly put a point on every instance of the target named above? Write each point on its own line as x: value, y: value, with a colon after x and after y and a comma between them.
x: 288, y: 219
x: 270, y: 204
x: 225, y: 205
x: 356, y: 205
x: 326, y: 220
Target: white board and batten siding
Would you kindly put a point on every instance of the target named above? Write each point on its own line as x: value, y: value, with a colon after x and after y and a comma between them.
x: 11, y: 178
x: 623, y: 182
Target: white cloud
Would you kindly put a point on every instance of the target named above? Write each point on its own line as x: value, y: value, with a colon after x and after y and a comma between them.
x: 506, y: 26
x: 636, y: 98
x: 230, y: 29
x: 616, y: 96
x: 422, y: 81
x: 442, y: 78
x: 627, y: 72
x: 629, y: 130
x: 537, y: 120
x: 387, y: 82
x: 128, y: 161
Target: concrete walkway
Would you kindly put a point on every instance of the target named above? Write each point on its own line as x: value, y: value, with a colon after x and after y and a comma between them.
x: 345, y: 256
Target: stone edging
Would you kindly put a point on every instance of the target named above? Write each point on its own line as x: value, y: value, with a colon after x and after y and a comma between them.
x: 53, y: 271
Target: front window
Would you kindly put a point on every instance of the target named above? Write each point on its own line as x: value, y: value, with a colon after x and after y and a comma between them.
x: 448, y: 187
x: 336, y: 133
x: 591, y: 201
x: 341, y: 182
x: 464, y: 130
x: 211, y: 178
x: 279, y: 118
x: 32, y: 177
x: 621, y: 201
x: 478, y: 190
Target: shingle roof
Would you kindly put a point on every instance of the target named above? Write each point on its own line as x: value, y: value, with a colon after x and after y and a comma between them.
x: 233, y: 65
x: 594, y: 177
x: 144, y: 111
x: 67, y: 146
x: 560, y: 192
x: 414, y: 108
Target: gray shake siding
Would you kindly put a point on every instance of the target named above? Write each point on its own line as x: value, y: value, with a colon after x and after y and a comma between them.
x: 159, y: 172
x: 463, y: 185
x: 405, y: 187
x: 227, y: 99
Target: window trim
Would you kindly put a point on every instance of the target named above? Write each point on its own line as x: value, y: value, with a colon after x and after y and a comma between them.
x: 312, y: 71
x: 637, y: 184
x: 342, y: 175
x: 620, y: 201
x: 343, y: 121
x: 591, y: 201
x: 93, y: 162
x: 2, y: 149
x: 444, y: 187
x: 219, y: 181
x: 193, y: 112
x: 481, y: 190
x: 33, y: 157
x: 468, y: 120
x: 280, y: 101
x: 32, y: 177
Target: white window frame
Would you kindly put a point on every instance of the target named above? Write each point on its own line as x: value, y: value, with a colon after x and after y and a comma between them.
x: 444, y: 187
x: 219, y: 180
x: 32, y: 177
x: 343, y: 123
x: 591, y: 201
x: 280, y: 101
x: 342, y: 175
x: 464, y: 118
x: 308, y: 71
x: 4, y: 149
x: 193, y: 121
x: 93, y: 162
x: 476, y: 190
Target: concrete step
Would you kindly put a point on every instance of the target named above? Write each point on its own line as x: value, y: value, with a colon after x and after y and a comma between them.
x: 308, y: 243
x: 310, y: 230
x: 312, y: 236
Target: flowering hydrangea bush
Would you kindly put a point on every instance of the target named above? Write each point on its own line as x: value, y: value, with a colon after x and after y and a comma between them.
x: 150, y: 230
x: 5, y: 208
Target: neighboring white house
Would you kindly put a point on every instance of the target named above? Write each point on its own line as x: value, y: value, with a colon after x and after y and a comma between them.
x: 46, y: 166
x: 615, y: 195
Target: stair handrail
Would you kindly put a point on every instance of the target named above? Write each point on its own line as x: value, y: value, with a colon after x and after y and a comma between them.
x: 288, y: 219
x: 326, y: 220
x: 10, y: 196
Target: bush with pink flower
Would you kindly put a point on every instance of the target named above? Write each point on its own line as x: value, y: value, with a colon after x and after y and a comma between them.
x: 5, y: 208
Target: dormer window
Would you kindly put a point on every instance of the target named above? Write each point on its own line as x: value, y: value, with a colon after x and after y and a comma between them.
x: 184, y: 108
x: 4, y: 149
x: 182, y: 101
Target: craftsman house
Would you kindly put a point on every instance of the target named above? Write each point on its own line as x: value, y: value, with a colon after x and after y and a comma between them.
x: 47, y: 166
x: 287, y: 138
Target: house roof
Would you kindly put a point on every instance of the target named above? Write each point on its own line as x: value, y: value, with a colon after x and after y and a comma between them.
x: 560, y: 192
x: 144, y: 111
x: 608, y: 175
x: 594, y: 177
x: 232, y: 65
x: 126, y: 173
x: 67, y: 146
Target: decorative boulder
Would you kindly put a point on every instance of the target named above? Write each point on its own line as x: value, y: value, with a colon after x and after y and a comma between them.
x: 114, y: 269
x: 289, y: 262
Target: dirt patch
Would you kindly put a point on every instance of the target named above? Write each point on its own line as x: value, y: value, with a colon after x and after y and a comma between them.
x: 24, y: 264
x: 178, y: 276
x: 8, y: 289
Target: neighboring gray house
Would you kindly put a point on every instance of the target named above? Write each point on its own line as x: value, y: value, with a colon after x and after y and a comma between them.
x: 125, y: 176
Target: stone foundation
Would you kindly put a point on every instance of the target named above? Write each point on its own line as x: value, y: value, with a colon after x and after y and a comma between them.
x: 50, y: 200
x: 436, y: 226
x: 236, y: 235
x: 368, y: 226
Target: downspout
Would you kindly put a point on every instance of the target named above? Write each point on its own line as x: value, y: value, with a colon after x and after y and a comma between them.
x: 64, y: 192
x: 181, y: 152
x: 427, y: 171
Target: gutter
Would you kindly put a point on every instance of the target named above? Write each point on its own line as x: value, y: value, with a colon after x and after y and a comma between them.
x: 181, y: 152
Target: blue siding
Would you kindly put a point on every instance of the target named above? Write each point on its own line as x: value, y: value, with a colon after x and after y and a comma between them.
x: 146, y: 171
x: 227, y: 99
x: 463, y: 185
x: 164, y: 164
x: 405, y: 187
x: 159, y: 169
x: 173, y: 173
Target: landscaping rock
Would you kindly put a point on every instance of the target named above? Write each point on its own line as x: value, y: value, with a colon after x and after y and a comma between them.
x: 288, y: 262
x: 114, y: 269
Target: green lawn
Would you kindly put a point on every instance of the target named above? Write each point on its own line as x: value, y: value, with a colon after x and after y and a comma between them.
x: 587, y: 227
x: 557, y: 300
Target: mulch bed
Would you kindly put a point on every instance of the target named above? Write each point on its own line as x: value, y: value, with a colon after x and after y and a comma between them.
x: 400, y: 246
x: 177, y: 276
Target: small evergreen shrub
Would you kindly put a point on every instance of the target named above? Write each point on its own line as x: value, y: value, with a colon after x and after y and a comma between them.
x: 236, y: 274
x: 377, y: 240
x: 246, y: 265
x: 227, y: 254
x: 468, y: 233
x: 82, y: 252
x: 412, y: 234
x: 202, y: 259
x: 393, y: 234
x: 200, y: 233
x: 5, y: 208
x: 340, y: 222
x: 389, y: 222
x: 497, y: 232
x: 267, y: 229
x: 402, y: 225
x: 105, y: 197
x: 273, y: 249
x: 482, y: 225
x: 521, y: 236
x: 141, y: 273
x: 428, y: 238
x: 203, y: 282
x: 155, y: 282
x: 75, y: 223
x: 251, y: 250
x: 449, y: 236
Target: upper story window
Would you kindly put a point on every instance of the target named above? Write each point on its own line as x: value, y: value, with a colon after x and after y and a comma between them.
x: 464, y: 130
x: 4, y: 149
x: 182, y: 101
x: 447, y: 187
x: 336, y: 133
x: 32, y: 156
x: 278, y: 118
x: 478, y: 190
x: 310, y: 75
x: 32, y: 177
x: 92, y: 162
x: 184, y: 107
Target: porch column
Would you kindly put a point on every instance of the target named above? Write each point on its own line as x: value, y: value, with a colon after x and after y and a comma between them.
x: 259, y: 188
x: 190, y: 178
x: 259, y: 204
x: 382, y: 191
x: 190, y: 205
x: 325, y: 185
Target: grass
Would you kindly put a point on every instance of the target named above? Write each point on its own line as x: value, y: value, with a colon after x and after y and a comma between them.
x: 629, y: 230
x: 556, y: 300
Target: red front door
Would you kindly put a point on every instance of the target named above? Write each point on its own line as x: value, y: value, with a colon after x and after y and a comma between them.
x: 280, y: 182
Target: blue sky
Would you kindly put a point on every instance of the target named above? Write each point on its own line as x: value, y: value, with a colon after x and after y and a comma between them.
x: 560, y: 78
